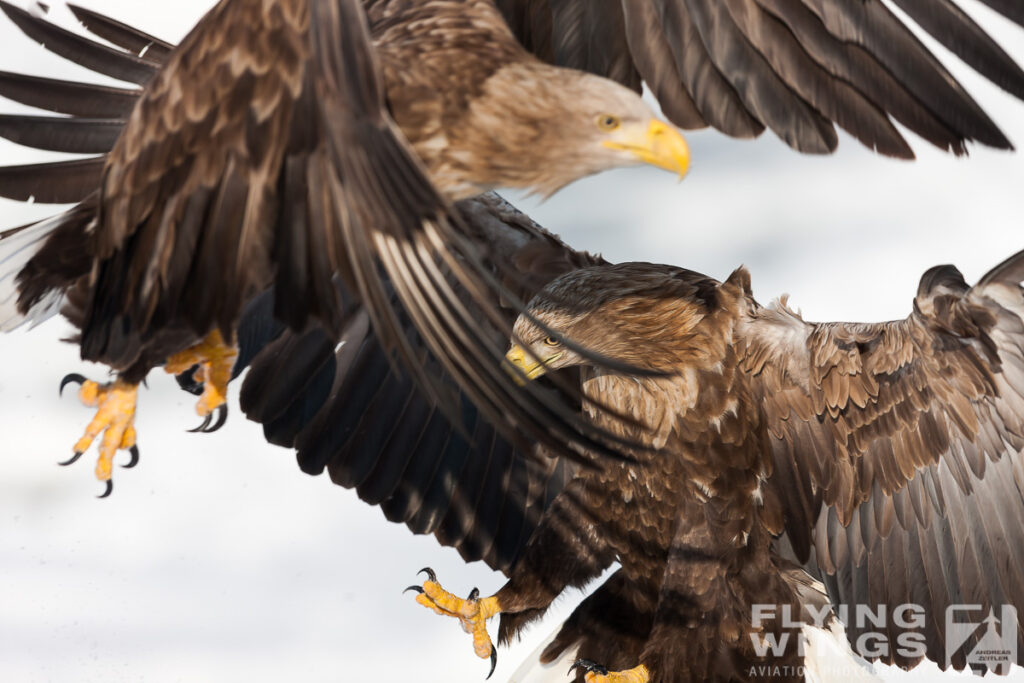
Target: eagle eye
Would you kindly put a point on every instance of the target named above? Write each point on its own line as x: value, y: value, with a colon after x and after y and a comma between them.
x: 551, y: 341
x: 608, y: 122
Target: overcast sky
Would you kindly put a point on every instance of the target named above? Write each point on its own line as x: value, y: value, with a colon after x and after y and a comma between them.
x: 217, y: 560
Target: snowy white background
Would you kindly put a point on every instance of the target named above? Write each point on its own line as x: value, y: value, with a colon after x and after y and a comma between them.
x: 217, y: 560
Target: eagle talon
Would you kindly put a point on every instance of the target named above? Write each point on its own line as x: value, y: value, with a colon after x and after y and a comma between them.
x: 109, y: 489
x: 73, y: 460
x: 202, y: 425
x: 211, y: 363
x: 134, y: 453
x: 588, y: 666
x: 112, y: 426
x: 73, y: 378
x: 222, y: 417
x: 471, y: 612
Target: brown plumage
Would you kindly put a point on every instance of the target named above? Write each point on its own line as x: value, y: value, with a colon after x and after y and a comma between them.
x: 292, y: 143
x: 887, y: 457
x: 883, y: 458
x: 262, y: 153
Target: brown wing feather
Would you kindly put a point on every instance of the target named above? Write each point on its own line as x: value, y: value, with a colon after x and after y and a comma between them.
x: 903, y: 442
x: 749, y: 63
x: 349, y: 410
x: 279, y: 161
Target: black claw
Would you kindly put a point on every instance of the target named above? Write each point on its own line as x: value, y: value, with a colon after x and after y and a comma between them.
x: 474, y: 594
x: 494, y: 662
x: 73, y: 378
x: 588, y: 666
x: 222, y: 417
x: 110, y: 489
x: 72, y: 461
x: 202, y: 427
x: 134, y: 452
x: 429, y: 572
x: 418, y: 589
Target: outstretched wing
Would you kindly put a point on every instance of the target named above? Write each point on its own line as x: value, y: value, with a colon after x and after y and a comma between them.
x: 261, y: 152
x: 345, y: 408
x: 794, y: 66
x: 897, y: 450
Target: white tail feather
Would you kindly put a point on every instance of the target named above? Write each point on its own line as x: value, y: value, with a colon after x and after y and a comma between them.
x: 828, y: 657
x: 15, y: 252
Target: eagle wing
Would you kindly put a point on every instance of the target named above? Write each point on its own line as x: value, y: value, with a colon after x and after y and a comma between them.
x: 794, y: 66
x: 897, y: 448
x: 345, y: 408
x: 277, y: 164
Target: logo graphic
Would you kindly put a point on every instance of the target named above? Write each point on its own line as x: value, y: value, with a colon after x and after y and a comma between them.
x: 990, y: 642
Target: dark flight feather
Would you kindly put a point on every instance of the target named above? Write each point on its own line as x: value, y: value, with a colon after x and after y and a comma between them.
x: 127, y: 37
x: 91, y: 55
x: 66, y: 97
x: 729, y: 60
x: 58, y: 182
x: 952, y: 27
x: 75, y: 135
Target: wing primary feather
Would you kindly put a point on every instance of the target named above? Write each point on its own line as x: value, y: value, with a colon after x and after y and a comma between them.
x: 873, y: 26
x: 1011, y: 9
x: 717, y: 101
x: 68, y: 97
x: 952, y: 27
x: 61, y: 182
x: 57, y: 134
x: 761, y: 90
x: 833, y: 97
x: 128, y: 37
x: 654, y: 61
x: 73, y: 47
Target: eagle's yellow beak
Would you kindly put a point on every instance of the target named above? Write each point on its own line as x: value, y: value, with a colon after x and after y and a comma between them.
x: 521, y: 364
x: 659, y: 144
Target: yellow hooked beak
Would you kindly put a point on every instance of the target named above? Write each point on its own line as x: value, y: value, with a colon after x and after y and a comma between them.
x: 659, y: 144
x: 522, y: 364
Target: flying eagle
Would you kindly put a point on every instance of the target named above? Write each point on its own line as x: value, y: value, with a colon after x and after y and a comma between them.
x: 883, y: 459
x: 293, y: 143
x: 889, y: 458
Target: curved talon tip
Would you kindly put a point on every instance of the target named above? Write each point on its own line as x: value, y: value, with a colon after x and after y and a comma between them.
x: 109, y: 490
x: 429, y: 572
x: 73, y: 378
x: 134, y: 452
x: 474, y: 594
x: 72, y: 461
x: 588, y: 666
x: 202, y: 427
x: 418, y: 589
x: 222, y: 417
x: 494, y: 662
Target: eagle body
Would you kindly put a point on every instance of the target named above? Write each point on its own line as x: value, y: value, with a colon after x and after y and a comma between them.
x: 225, y: 159
x: 885, y: 458
x: 683, y: 519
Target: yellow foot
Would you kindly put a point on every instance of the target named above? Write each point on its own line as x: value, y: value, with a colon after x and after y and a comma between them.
x: 216, y: 361
x: 595, y: 673
x: 472, y: 612
x: 115, y: 418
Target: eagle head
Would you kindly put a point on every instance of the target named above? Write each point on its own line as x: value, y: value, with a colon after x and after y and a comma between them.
x: 539, y: 128
x: 639, y: 315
